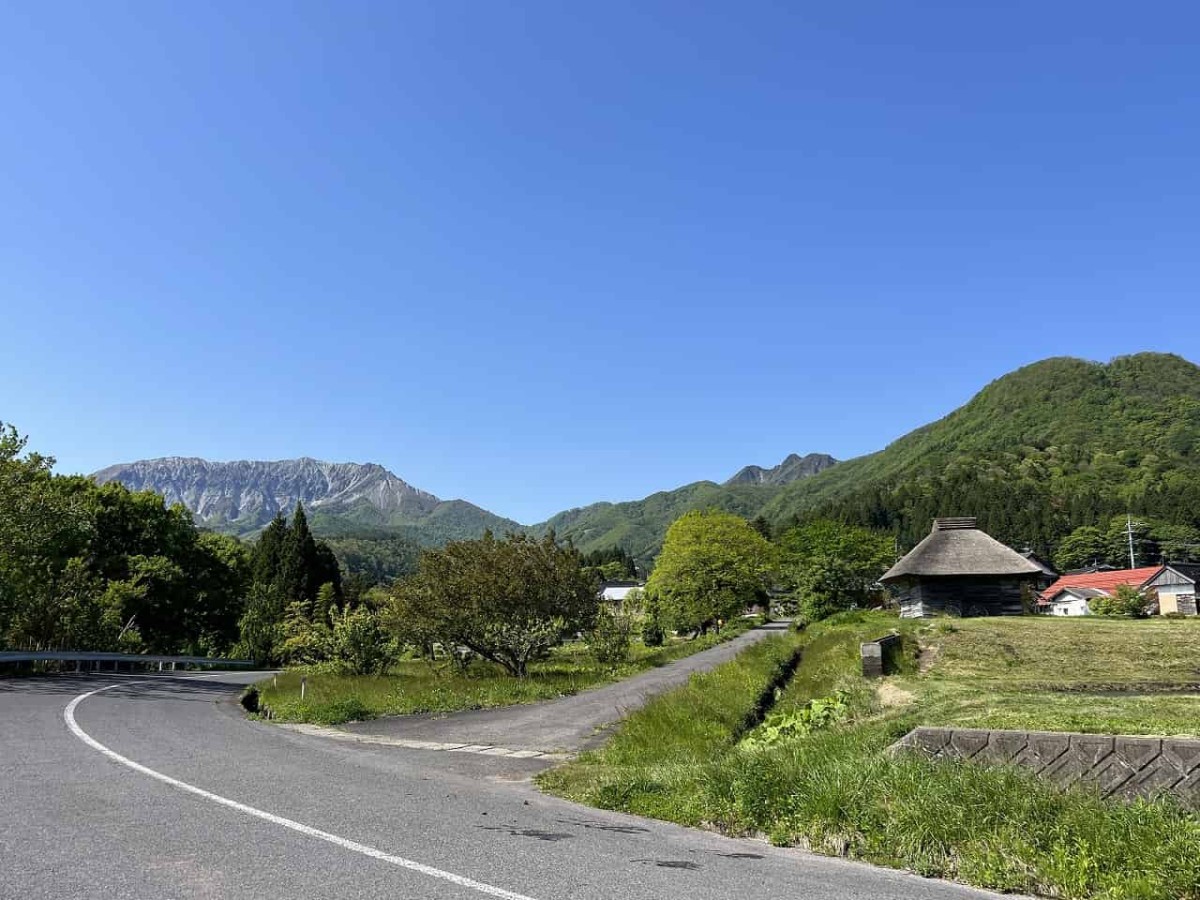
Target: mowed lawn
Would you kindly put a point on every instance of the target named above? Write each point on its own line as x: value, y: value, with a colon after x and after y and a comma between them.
x: 837, y: 789
x: 418, y: 686
x: 1060, y: 674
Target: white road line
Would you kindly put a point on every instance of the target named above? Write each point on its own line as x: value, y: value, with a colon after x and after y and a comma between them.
x: 346, y: 844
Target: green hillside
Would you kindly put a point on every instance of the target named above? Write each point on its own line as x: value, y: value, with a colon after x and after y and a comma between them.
x: 1048, y: 448
x: 1053, y: 446
x: 639, y: 525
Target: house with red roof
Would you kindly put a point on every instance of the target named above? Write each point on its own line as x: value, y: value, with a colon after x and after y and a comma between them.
x: 1069, y: 595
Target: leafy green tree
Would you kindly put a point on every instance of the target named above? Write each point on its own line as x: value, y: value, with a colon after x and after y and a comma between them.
x: 361, y: 645
x: 510, y: 601
x: 712, y: 566
x: 1085, y: 546
x: 1126, y: 601
x: 831, y: 566
x: 261, y: 626
x: 99, y: 567
x: 610, y: 636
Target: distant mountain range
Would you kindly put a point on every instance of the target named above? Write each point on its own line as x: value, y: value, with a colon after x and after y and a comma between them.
x: 340, y: 498
x: 366, y: 500
x: 1057, y: 444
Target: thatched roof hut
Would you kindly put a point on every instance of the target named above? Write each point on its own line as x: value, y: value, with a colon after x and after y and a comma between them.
x: 960, y: 570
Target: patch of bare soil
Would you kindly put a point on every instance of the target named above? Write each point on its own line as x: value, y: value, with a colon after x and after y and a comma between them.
x: 891, y: 696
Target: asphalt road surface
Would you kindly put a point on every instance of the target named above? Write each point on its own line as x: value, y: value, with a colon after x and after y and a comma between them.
x: 571, y: 723
x: 157, y: 787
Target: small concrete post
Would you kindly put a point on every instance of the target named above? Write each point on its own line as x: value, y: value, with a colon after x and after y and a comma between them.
x: 872, y: 659
x: 303, y: 685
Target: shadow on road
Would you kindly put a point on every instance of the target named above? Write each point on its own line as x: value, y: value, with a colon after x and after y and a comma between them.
x: 149, y: 686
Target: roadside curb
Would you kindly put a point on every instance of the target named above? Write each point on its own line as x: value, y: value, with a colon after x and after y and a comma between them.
x: 460, y: 747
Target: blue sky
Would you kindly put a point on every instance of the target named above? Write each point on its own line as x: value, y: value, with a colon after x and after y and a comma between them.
x: 541, y: 254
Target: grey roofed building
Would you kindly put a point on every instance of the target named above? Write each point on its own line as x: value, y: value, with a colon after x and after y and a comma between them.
x: 962, y: 571
x: 1049, y: 573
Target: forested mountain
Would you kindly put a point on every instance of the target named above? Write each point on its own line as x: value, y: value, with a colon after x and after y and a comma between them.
x: 638, y: 526
x: 793, y: 468
x: 1056, y: 445
x: 344, y: 499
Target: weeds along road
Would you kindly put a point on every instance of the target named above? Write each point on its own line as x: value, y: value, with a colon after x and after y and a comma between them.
x: 158, y: 787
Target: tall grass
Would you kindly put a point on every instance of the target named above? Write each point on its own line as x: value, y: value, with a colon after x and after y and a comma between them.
x: 841, y: 792
x: 416, y: 686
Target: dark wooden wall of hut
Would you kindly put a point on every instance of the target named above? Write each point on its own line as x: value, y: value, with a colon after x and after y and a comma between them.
x: 963, y: 596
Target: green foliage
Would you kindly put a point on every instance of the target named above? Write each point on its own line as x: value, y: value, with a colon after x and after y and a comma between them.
x: 375, y: 557
x: 640, y: 526
x: 1044, y: 450
x: 818, y: 713
x: 838, y: 790
x: 610, y: 636
x: 297, y: 587
x: 653, y: 634
x: 417, y: 686
x: 712, y: 566
x: 1154, y: 541
x: 831, y: 566
x: 510, y: 601
x: 1127, y: 601
x: 89, y: 567
x: 610, y: 564
x: 360, y: 644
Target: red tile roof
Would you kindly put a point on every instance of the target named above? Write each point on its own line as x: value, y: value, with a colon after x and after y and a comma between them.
x: 1103, y: 581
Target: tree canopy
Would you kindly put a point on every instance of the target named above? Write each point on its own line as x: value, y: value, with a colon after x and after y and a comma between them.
x: 712, y: 566
x: 510, y: 600
x: 86, y: 567
x: 832, y: 566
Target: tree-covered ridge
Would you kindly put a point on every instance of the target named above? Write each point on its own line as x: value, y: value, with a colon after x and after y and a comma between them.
x: 1057, y: 445
x: 639, y: 526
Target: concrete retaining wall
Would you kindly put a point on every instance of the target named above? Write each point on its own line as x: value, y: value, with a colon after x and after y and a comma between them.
x: 874, y: 655
x: 1120, y: 767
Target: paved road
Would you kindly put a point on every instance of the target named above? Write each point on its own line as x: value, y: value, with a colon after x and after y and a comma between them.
x: 165, y: 791
x: 572, y: 723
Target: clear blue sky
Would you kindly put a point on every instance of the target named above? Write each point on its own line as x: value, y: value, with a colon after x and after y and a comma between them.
x: 541, y: 254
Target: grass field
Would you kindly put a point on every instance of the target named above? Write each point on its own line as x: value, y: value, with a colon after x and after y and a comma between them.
x: 837, y: 791
x: 416, y: 686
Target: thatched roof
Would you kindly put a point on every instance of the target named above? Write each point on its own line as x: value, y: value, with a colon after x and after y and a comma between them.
x: 957, y: 547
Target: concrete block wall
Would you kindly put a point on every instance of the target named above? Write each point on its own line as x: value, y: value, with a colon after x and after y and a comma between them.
x: 1118, y: 766
x: 874, y: 655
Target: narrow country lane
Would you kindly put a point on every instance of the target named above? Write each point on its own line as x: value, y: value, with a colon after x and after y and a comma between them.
x: 165, y: 790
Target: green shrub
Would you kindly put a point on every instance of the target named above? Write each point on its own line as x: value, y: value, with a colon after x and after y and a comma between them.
x: 1127, y: 601
x: 360, y: 645
x: 652, y: 633
x: 812, y: 716
x: 609, y: 638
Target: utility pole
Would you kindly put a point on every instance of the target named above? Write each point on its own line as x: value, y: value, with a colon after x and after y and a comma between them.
x: 1130, y: 525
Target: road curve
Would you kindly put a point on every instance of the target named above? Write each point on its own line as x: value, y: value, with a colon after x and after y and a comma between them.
x: 158, y: 787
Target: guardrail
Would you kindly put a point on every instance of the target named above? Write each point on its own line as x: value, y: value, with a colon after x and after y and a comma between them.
x: 95, y: 661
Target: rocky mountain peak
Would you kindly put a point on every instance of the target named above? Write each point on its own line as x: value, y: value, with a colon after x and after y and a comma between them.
x: 793, y: 468
x: 246, y: 494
